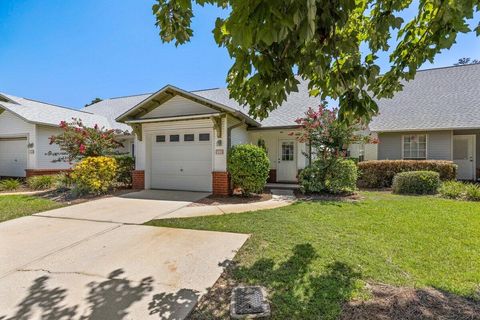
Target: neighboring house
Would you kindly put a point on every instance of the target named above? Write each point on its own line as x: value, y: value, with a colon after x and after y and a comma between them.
x: 25, y: 128
x: 435, y: 117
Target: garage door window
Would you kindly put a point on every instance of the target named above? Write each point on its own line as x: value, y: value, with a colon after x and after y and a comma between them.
x: 160, y: 138
x: 189, y: 137
x: 204, y: 137
x: 174, y: 138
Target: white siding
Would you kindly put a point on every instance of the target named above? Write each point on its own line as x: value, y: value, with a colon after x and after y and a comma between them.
x: 239, y: 134
x: 14, y: 126
x: 45, y: 151
x: 178, y: 106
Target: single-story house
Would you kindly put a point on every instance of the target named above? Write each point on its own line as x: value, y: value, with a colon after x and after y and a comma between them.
x: 25, y: 128
x: 436, y: 117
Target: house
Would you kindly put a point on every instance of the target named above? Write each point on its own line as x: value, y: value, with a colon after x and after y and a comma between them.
x: 25, y: 128
x: 181, y: 138
x: 436, y: 116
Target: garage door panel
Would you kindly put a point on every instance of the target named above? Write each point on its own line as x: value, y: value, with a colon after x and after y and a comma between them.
x: 13, y: 157
x: 181, y: 165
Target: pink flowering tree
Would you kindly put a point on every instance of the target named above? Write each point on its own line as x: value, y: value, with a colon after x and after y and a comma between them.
x: 78, y: 141
x: 328, y: 136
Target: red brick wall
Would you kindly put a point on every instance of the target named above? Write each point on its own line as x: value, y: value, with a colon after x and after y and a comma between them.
x: 44, y: 172
x: 221, y: 183
x: 138, y: 179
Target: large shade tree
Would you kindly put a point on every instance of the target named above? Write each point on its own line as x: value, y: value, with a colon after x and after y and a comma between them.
x: 335, y: 44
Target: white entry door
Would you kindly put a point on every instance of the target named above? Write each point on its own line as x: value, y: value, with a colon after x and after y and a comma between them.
x: 182, y: 160
x: 464, y: 156
x: 287, y: 161
x: 13, y: 157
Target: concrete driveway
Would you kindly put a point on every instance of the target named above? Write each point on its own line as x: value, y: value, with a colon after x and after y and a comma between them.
x: 63, y: 265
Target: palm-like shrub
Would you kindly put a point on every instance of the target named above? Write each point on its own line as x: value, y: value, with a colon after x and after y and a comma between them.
x: 9, y: 185
x: 42, y: 182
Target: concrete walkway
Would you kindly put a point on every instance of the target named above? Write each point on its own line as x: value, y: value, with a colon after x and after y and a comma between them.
x: 90, y: 262
x: 280, y: 198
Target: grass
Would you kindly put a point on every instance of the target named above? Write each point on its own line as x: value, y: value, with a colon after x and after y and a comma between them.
x: 313, y: 256
x: 16, y: 206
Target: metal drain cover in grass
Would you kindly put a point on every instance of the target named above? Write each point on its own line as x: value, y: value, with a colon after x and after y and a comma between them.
x: 249, y: 302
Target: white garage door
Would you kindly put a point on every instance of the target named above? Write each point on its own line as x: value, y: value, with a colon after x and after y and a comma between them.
x: 182, y: 160
x: 13, y: 157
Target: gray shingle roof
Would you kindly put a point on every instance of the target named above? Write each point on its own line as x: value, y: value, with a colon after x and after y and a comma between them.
x: 295, y: 106
x: 48, y: 114
x: 443, y: 98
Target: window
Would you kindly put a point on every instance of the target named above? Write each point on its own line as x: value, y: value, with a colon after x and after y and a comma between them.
x: 174, y: 138
x: 287, y: 151
x: 204, y: 137
x: 189, y: 137
x: 160, y: 138
x: 415, y: 147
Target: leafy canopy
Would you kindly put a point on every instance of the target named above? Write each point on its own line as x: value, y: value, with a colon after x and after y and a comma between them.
x: 334, y: 44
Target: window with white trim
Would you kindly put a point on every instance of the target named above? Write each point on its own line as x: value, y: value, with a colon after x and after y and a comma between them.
x: 415, y: 147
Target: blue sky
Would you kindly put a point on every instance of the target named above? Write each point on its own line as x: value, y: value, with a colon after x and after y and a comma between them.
x: 69, y: 52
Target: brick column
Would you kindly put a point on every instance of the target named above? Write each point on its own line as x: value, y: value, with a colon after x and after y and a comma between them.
x: 221, y: 183
x: 138, y: 179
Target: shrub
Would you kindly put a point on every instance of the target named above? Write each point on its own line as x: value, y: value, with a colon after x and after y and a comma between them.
x: 380, y: 173
x: 94, y: 175
x: 342, y: 177
x: 332, y: 176
x: 472, y: 192
x: 41, y: 182
x: 126, y: 164
x: 416, y: 182
x: 452, y: 190
x: 9, y: 185
x: 248, y: 166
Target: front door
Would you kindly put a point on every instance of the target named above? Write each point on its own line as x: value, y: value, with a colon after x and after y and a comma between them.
x: 464, y: 156
x: 287, y: 161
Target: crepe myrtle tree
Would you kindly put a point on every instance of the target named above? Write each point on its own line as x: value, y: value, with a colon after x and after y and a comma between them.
x: 77, y: 141
x: 328, y: 136
x: 335, y: 45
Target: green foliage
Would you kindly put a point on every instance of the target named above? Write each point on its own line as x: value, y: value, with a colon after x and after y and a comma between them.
x: 380, y: 173
x: 96, y: 100
x: 42, y: 182
x: 78, y: 141
x: 452, y: 189
x: 460, y: 191
x: 94, y: 175
x: 9, y: 184
x: 126, y: 164
x: 248, y: 166
x: 63, y: 181
x: 336, y: 45
x: 416, y: 182
x: 335, y: 176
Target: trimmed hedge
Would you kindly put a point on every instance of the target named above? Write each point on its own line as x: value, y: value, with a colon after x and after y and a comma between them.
x: 380, y: 173
x: 416, y: 182
x: 249, y: 167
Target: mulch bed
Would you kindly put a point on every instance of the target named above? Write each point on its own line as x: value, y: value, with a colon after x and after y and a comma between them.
x: 235, y: 199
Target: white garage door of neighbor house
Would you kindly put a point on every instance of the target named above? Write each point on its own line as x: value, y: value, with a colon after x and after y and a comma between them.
x: 182, y: 160
x: 13, y: 157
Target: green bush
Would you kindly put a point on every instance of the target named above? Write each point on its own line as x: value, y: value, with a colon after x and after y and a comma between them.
x: 249, y: 167
x: 94, y: 175
x: 9, y: 184
x: 380, y: 173
x: 416, y: 182
x: 472, y: 192
x: 63, y: 181
x: 452, y: 190
x: 126, y: 164
x: 330, y: 176
x: 41, y: 182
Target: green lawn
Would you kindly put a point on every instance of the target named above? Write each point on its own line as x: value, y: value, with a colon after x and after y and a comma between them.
x: 17, y: 206
x: 312, y: 256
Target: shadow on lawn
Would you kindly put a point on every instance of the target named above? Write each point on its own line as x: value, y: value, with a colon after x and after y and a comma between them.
x: 108, y: 299
x: 294, y: 290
